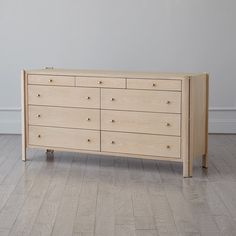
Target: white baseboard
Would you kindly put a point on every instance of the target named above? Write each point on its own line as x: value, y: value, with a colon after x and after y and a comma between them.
x: 221, y: 120
x: 10, y: 127
x: 10, y: 120
x: 222, y: 126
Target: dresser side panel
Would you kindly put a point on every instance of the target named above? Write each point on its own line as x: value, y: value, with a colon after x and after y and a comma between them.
x: 199, y: 115
x: 185, y: 154
x: 23, y: 114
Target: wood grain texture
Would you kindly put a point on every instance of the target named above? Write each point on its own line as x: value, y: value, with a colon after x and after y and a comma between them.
x: 185, y: 135
x: 113, y: 74
x: 72, y: 103
x: 55, y: 137
x: 198, y: 116
x: 100, y: 82
x: 142, y: 144
x: 23, y: 114
x: 53, y: 80
x: 141, y: 100
x: 170, y: 85
x: 63, y: 96
x: 81, y: 194
x: 64, y: 117
x: 141, y: 122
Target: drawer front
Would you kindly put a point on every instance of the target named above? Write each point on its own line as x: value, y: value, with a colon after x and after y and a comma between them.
x: 64, y: 96
x: 140, y: 100
x: 171, y: 85
x: 101, y: 82
x: 64, y: 138
x: 141, y: 144
x: 64, y: 117
x: 141, y: 122
x: 51, y: 80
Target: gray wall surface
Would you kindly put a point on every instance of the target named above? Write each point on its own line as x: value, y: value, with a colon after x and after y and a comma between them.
x: 143, y: 35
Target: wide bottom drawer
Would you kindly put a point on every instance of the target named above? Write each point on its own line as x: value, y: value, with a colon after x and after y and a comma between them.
x: 64, y: 138
x: 140, y: 144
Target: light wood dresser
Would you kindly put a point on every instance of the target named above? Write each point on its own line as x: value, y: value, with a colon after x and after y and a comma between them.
x: 141, y: 115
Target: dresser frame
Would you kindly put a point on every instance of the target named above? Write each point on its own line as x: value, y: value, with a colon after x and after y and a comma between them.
x: 194, y: 113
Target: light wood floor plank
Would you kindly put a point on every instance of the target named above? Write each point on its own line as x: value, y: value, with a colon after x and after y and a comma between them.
x: 47, y: 214
x: 89, y: 195
x: 26, y: 218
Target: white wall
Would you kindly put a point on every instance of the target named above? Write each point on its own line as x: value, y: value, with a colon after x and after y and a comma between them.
x: 149, y: 35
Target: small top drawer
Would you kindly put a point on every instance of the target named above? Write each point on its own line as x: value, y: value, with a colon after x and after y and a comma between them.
x: 55, y: 80
x: 100, y: 82
x: 154, y: 84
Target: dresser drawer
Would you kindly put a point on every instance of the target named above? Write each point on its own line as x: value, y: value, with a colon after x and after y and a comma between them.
x: 150, y: 84
x: 64, y: 117
x: 141, y: 122
x: 64, y: 138
x: 141, y: 144
x: 55, y: 80
x: 64, y: 96
x: 141, y: 100
x: 100, y: 82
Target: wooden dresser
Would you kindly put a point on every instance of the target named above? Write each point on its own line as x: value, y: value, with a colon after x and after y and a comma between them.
x: 141, y: 115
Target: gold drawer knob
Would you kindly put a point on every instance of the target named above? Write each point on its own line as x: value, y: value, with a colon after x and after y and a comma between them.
x: 39, y: 136
x: 88, y: 98
x: 112, y: 142
x: 112, y: 121
x: 112, y: 99
x: 100, y: 82
x: 50, y: 80
x: 88, y: 119
x: 168, y: 102
x: 38, y: 95
x: 167, y: 124
x: 88, y: 140
x: 168, y: 146
x: 38, y: 115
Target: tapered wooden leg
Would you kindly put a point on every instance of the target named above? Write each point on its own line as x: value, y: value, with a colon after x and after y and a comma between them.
x: 205, y: 161
x: 187, y: 169
x: 23, y: 152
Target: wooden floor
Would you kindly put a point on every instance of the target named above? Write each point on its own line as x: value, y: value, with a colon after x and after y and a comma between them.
x: 81, y: 195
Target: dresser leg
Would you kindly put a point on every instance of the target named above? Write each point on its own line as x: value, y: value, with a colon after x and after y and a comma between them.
x: 187, y: 170
x: 49, y: 153
x: 205, y: 161
x: 23, y: 154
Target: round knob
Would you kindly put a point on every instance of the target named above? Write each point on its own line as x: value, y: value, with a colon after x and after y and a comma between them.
x: 112, y: 121
x: 112, y: 142
x: 88, y: 119
x: 168, y: 146
x: 88, y: 98
x: 112, y: 99
x: 167, y: 124
x: 88, y: 140
x: 100, y: 82
x: 39, y: 136
x: 154, y: 85
x: 50, y: 80
x: 38, y: 95
x: 38, y: 115
x: 168, y: 102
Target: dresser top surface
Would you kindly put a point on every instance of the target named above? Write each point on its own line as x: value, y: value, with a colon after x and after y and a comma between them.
x: 115, y: 74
